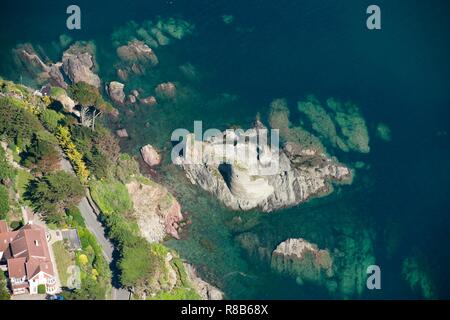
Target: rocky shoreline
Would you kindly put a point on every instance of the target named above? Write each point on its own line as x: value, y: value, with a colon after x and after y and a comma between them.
x: 302, y: 173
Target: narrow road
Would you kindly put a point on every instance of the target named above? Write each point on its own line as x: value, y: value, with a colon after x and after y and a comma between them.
x: 94, y: 226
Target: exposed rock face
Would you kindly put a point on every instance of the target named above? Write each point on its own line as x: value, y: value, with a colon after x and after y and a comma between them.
x: 136, y: 58
x: 67, y: 102
x: 157, y: 211
x: 27, y: 59
x: 150, y: 155
x: 115, y: 91
x: 206, y: 290
x: 303, y: 260
x: 255, y: 176
x: 166, y: 90
x: 78, y: 64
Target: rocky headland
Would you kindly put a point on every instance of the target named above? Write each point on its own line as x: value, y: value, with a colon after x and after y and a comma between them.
x: 294, y: 173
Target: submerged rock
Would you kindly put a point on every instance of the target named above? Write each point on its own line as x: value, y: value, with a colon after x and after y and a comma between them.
x: 79, y: 64
x: 131, y: 99
x: 303, y: 260
x: 165, y: 90
x: 153, y: 33
x: 115, y: 91
x: 254, y: 175
x: 384, y: 132
x: 339, y: 124
x: 150, y: 155
x: 136, y: 58
x: 28, y: 60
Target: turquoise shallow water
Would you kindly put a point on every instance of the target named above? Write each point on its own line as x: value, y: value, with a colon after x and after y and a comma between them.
x: 399, y: 75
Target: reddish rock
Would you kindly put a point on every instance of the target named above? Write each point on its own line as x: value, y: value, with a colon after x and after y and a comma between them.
x: 150, y: 155
x: 172, y: 219
x: 166, y: 90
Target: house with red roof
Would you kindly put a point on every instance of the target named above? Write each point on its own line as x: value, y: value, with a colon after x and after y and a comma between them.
x: 24, y: 254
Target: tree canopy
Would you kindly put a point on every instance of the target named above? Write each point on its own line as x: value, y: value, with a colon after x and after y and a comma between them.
x: 56, y: 192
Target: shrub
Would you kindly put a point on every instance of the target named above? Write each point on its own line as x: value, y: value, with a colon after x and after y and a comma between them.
x: 55, y: 192
x: 16, y: 225
x: 111, y: 196
x: 17, y: 124
x: 76, y: 217
x: 51, y: 119
x: 41, y: 289
x: 4, y: 292
x: 6, y: 171
x: 72, y: 153
x: 42, y: 155
x: 83, y: 259
x: 4, y: 202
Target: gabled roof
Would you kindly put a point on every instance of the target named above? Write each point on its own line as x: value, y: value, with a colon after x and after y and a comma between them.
x: 16, y: 267
x: 3, y: 226
x: 30, y: 242
x: 26, y: 252
x: 34, y: 267
x: 5, y: 239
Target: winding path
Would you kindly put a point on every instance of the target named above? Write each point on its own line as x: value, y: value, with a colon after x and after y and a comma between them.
x: 88, y: 211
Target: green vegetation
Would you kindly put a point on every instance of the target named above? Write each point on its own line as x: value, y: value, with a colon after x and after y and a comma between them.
x: 54, y: 193
x: 56, y: 92
x: 74, y: 217
x: 33, y: 132
x: 75, y: 157
x: 64, y: 260
x: 17, y: 124
x: 42, y: 155
x: 4, y: 202
x: 6, y: 171
x: 111, y: 196
x: 41, y: 289
x: 95, y: 273
x: 22, y: 181
x: 177, y: 294
x: 4, y: 292
x: 51, y: 119
x: 88, y: 96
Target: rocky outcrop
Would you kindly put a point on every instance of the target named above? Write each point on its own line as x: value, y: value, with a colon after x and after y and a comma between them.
x: 150, y: 155
x: 254, y: 175
x: 122, y: 133
x: 79, y: 64
x: 203, y: 288
x: 29, y: 61
x: 115, y: 91
x: 157, y: 212
x: 62, y: 97
x: 303, y: 260
x: 136, y: 58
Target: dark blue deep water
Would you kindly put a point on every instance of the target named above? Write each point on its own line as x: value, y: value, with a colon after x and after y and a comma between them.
x: 399, y: 75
